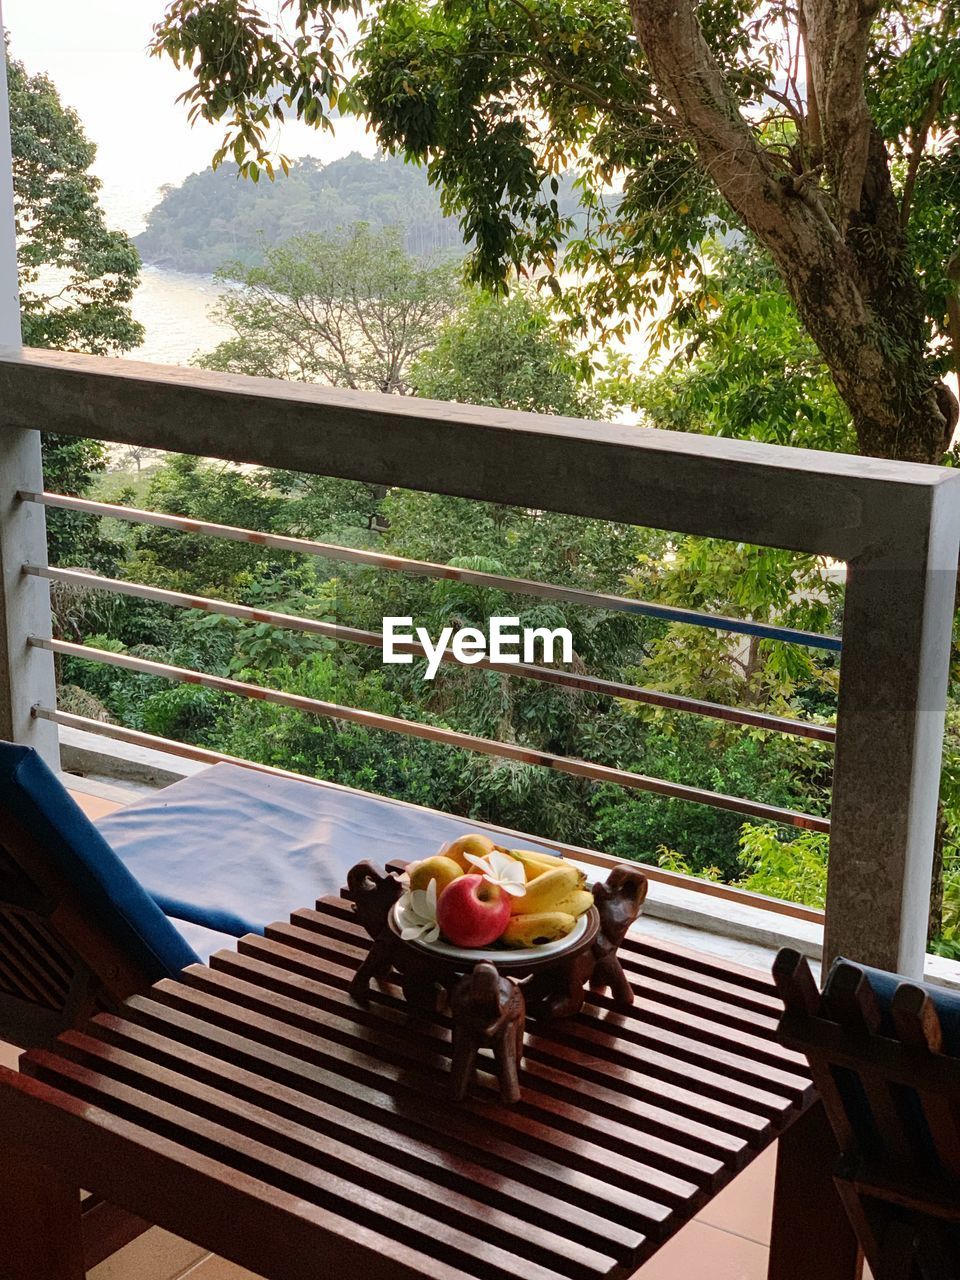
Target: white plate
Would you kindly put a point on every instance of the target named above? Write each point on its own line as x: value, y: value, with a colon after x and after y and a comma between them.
x: 506, y: 955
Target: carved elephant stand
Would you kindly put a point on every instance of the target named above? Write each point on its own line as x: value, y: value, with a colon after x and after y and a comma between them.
x: 489, y: 1001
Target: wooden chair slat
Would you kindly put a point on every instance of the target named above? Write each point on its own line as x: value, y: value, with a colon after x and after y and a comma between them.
x: 18, y: 983
x: 42, y: 946
x: 893, y: 1100
x: 918, y: 1025
x: 916, y: 1019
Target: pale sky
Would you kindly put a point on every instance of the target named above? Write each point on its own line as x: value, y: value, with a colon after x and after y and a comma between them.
x: 96, y: 53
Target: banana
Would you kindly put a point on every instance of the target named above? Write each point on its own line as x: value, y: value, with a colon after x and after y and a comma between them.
x: 534, y: 855
x: 533, y: 930
x: 576, y: 903
x: 534, y: 864
x: 546, y: 890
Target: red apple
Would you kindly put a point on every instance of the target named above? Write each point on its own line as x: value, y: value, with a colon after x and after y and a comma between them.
x: 472, y: 912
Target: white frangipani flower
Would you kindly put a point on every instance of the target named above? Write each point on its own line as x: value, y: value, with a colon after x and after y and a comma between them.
x: 500, y: 869
x: 417, y: 914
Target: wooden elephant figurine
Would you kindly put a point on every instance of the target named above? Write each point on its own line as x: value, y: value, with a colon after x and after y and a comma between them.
x: 374, y: 894
x: 560, y: 993
x: 619, y: 901
x: 488, y: 1011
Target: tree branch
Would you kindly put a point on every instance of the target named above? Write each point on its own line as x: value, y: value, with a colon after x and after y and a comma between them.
x: 953, y: 309
x: 918, y: 142
x: 838, y: 37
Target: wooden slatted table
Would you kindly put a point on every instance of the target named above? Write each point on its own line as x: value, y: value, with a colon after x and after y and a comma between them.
x: 253, y: 1107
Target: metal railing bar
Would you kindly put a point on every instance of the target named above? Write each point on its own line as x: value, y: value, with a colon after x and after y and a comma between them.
x: 353, y: 635
x: 592, y: 857
x: 428, y: 569
x: 450, y: 737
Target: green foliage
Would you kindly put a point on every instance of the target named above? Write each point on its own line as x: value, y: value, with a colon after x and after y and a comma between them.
x: 76, y: 279
x: 794, y: 869
x: 70, y: 464
x: 507, y: 352
x: 790, y: 867
x: 671, y: 860
x: 744, y: 367
x: 76, y: 276
x: 237, y: 57
x: 699, y: 753
x: 352, y: 310
x: 501, y: 99
x: 210, y: 491
x: 758, y: 583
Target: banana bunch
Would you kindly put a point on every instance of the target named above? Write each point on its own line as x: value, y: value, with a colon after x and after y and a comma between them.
x: 556, y: 897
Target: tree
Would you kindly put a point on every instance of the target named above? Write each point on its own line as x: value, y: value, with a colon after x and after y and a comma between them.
x: 77, y: 278
x: 826, y: 130
x: 507, y: 352
x: 352, y: 310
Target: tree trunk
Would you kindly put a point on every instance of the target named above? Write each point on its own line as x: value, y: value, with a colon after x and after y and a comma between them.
x: 840, y: 250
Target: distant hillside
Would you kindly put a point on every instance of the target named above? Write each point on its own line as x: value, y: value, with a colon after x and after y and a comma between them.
x: 215, y: 217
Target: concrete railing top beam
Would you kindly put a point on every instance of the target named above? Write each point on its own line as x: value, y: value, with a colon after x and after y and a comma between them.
x: 838, y: 505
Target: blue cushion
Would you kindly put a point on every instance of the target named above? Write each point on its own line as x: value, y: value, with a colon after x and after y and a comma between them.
x: 232, y: 849
x: 850, y: 1086
x: 884, y: 984
x: 34, y: 796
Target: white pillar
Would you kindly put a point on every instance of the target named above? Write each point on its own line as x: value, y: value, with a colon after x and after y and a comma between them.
x: 26, y: 674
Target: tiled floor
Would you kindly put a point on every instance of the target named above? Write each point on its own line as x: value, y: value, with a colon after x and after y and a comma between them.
x: 727, y: 1241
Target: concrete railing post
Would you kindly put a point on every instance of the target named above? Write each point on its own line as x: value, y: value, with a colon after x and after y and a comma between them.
x: 893, y: 684
x: 26, y: 674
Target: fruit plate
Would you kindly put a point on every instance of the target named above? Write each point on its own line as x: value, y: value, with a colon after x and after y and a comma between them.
x: 446, y: 961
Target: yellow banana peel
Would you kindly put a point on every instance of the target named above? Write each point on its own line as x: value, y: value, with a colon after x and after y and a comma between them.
x: 535, y: 930
x: 546, y: 890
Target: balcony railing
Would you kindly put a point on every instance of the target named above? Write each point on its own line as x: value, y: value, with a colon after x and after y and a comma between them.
x: 896, y: 526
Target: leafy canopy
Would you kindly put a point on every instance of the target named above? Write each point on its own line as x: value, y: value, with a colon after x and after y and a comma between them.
x: 828, y: 132
x: 77, y: 276
x: 351, y: 310
x: 508, y: 352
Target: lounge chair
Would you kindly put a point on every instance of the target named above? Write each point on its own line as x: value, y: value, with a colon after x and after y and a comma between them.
x: 884, y: 1053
